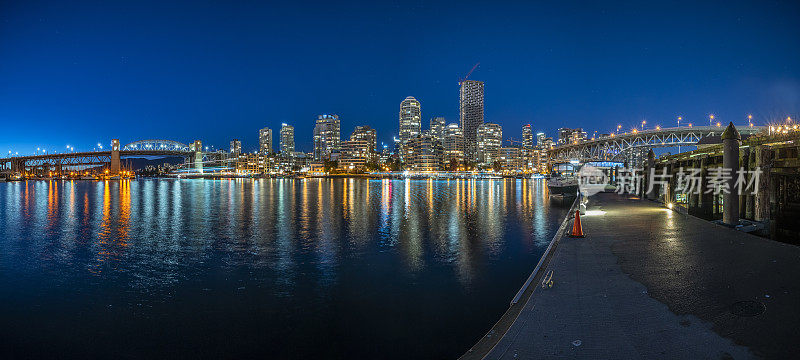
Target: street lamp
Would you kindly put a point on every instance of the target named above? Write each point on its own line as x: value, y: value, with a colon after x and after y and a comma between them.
x: 679, y: 120
x: 710, y: 119
x: 643, y: 122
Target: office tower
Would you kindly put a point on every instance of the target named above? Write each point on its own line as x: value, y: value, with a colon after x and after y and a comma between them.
x: 265, y: 141
x: 287, y: 140
x: 326, y: 137
x: 368, y: 134
x: 236, y: 147
x: 540, y: 139
x: 410, y: 119
x: 453, y: 146
x: 489, y: 141
x: 437, y: 128
x: 527, y: 137
x: 471, y: 113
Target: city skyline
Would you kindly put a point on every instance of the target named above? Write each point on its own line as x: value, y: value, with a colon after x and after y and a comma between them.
x: 86, y: 92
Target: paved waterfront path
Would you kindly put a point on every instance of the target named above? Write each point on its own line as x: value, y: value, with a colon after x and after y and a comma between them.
x: 648, y: 282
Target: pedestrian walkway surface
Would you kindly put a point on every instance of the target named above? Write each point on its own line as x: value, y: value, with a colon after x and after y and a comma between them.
x: 648, y: 282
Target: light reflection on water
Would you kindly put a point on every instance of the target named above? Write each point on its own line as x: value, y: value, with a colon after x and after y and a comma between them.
x: 278, y: 267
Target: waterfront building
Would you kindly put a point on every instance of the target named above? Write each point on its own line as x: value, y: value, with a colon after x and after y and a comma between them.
x: 528, y: 159
x: 527, y: 136
x: 510, y: 158
x: 250, y: 164
x: 265, y: 141
x: 236, y: 147
x: 453, y: 145
x: 354, y: 154
x: 327, y: 136
x: 424, y: 153
x: 437, y: 128
x: 490, y: 139
x: 410, y: 119
x: 287, y: 140
x: 471, y: 113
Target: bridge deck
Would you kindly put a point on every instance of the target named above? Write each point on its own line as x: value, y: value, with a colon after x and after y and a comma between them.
x: 651, y: 283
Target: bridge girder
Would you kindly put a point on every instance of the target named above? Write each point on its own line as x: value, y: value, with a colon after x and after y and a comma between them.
x: 614, y: 148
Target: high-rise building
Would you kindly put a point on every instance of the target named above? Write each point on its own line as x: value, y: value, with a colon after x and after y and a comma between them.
x: 571, y: 136
x: 327, y: 136
x: 355, y: 154
x: 578, y: 136
x: 453, y: 145
x: 540, y: 139
x: 437, y: 128
x: 265, y: 141
x: 287, y: 140
x: 410, y: 119
x: 368, y: 134
x: 490, y: 139
x: 423, y: 153
x: 236, y: 147
x: 527, y: 136
x: 471, y: 113
x: 564, y: 135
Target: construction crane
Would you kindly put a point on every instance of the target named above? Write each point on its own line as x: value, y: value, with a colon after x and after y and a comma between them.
x: 512, y: 141
x: 469, y: 73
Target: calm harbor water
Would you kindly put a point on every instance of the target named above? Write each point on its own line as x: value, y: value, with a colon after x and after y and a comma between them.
x: 329, y: 268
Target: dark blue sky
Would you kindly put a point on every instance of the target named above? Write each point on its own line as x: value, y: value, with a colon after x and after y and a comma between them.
x: 76, y: 73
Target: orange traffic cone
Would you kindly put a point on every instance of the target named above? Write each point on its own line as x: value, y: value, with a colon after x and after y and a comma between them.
x: 577, y: 230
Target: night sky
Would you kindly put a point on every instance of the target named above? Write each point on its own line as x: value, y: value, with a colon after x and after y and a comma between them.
x: 79, y: 73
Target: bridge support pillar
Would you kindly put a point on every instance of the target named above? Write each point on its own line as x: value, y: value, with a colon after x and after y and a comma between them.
x: 115, y: 161
x: 198, y: 156
x: 730, y: 160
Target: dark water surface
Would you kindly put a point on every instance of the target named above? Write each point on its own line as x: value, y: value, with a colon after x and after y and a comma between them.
x: 327, y: 268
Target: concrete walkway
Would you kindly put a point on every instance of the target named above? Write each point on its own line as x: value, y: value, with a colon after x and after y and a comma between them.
x: 650, y: 283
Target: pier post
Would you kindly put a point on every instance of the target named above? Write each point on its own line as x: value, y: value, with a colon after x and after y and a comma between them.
x: 651, y: 162
x: 730, y: 159
x: 763, y: 159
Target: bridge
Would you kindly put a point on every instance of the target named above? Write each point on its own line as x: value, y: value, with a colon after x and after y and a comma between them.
x: 106, y: 160
x: 621, y: 147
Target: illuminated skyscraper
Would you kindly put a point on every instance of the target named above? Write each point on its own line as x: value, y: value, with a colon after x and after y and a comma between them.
x: 410, y: 119
x: 327, y: 136
x: 265, y: 141
x: 287, y: 139
x: 527, y: 136
x: 540, y: 139
x: 236, y: 147
x: 471, y: 113
x: 490, y: 139
x: 437, y: 128
x: 368, y: 134
x: 453, y: 145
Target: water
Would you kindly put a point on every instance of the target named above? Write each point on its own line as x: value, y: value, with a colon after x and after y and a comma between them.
x: 331, y: 268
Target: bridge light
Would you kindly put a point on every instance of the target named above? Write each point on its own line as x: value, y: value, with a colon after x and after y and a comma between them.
x: 718, y: 124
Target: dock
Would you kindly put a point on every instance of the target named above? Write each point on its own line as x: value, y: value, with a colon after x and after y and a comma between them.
x: 650, y: 282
